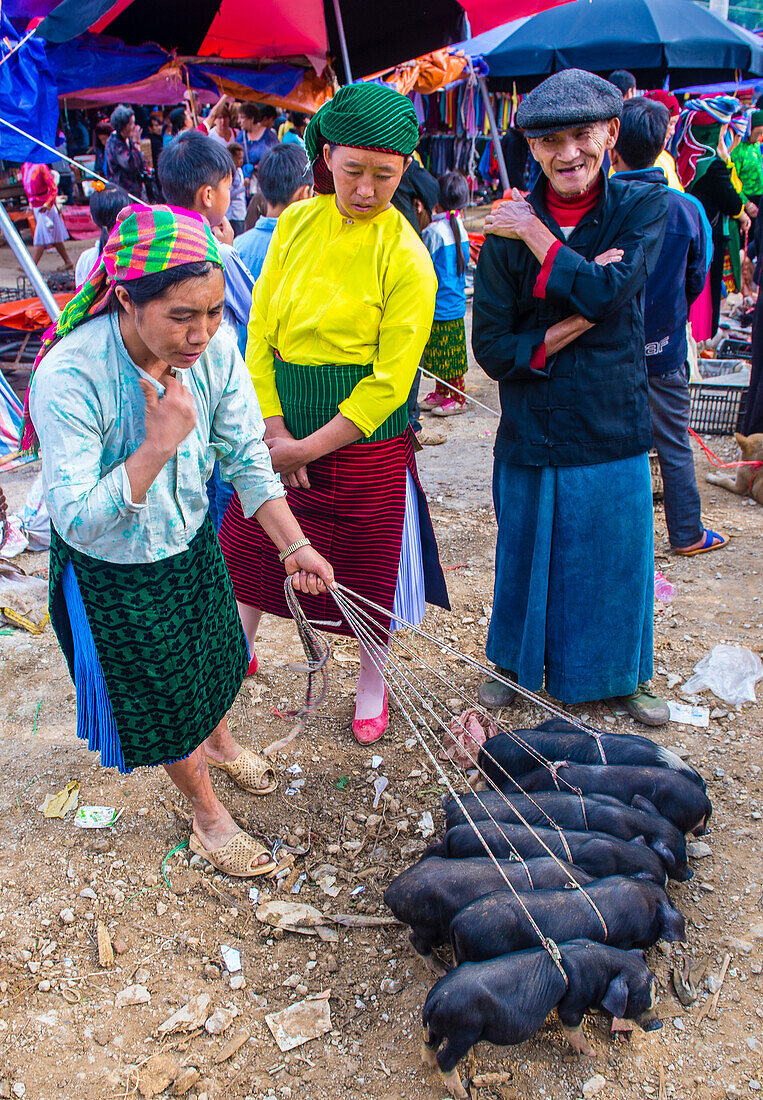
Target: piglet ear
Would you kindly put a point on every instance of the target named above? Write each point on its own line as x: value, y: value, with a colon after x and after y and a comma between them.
x: 638, y: 802
x: 615, y: 1000
x: 639, y: 840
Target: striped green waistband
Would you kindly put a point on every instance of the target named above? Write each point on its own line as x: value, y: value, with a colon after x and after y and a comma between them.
x: 310, y: 397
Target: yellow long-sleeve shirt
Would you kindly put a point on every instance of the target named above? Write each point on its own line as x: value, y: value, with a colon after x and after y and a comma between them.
x: 335, y: 290
x: 668, y: 165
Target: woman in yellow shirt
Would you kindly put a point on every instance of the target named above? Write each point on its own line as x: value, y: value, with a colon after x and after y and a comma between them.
x: 340, y: 317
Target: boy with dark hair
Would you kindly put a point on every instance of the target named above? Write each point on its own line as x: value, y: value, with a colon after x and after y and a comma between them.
x: 625, y: 81
x: 285, y: 177
x: 196, y: 172
x: 677, y: 279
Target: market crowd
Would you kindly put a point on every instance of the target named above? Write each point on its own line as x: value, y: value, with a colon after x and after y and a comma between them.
x: 231, y: 399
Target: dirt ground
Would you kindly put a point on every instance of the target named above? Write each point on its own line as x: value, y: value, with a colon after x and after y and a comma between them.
x: 61, y: 1033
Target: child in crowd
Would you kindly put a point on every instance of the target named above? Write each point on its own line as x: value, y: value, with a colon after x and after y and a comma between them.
x: 448, y: 242
x: 285, y: 177
x: 236, y: 213
x: 105, y: 204
x: 196, y: 172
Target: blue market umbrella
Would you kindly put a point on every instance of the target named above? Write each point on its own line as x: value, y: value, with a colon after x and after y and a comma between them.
x: 654, y: 39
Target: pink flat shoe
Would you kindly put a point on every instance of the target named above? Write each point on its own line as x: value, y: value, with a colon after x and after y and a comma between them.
x: 368, y: 730
x: 253, y: 665
x: 449, y: 407
x: 431, y: 401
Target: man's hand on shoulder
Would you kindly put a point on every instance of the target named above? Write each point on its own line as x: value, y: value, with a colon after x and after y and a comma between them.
x: 512, y: 218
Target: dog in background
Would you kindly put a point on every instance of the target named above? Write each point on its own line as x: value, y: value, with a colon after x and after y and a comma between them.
x: 749, y: 479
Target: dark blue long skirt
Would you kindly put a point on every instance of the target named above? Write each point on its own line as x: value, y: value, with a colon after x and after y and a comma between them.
x: 574, y: 577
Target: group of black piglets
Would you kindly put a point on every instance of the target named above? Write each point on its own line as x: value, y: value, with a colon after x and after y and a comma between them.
x: 615, y: 812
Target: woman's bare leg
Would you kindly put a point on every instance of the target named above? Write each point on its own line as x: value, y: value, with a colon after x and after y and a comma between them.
x: 370, y: 695
x: 37, y: 253
x: 61, y: 250
x: 250, y: 621
x: 212, y: 823
x: 221, y: 747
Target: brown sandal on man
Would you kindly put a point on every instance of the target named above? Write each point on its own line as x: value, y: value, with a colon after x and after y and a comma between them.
x: 238, y: 857
x: 247, y: 771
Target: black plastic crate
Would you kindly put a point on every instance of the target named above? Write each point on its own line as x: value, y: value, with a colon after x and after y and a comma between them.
x: 734, y: 347
x: 716, y: 410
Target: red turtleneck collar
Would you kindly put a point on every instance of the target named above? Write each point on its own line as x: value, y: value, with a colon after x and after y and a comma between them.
x: 568, y: 212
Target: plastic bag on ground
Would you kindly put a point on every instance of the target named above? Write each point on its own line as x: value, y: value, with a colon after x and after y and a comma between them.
x: 35, y: 520
x: 23, y: 599
x: 729, y: 671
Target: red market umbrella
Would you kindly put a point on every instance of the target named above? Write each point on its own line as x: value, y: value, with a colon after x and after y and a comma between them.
x: 369, y: 37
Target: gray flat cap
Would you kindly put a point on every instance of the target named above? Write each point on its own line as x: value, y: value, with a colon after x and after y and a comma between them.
x: 569, y: 98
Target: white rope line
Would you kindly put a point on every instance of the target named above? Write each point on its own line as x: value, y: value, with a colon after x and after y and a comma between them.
x: 461, y: 393
x: 346, y: 604
x: 532, y: 696
x: 529, y: 749
x: 343, y: 604
x: 550, y: 766
x: 532, y: 751
x: 366, y: 638
x: 62, y: 156
x: 401, y: 700
x: 18, y: 46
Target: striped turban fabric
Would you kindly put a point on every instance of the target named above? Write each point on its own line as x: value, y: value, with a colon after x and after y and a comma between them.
x: 697, y: 134
x: 363, y: 116
x: 145, y: 240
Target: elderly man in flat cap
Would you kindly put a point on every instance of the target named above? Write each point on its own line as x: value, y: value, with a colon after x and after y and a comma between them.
x: 558, y: 322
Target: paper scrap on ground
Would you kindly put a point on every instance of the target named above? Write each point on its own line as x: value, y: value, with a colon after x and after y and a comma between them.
x: 58, y: 805
x: 689, y: 715
x: 301, y: 1022
x: 231, y: 958
x: 96, y: 817
x: 380, y: 786
x: 292, y: 916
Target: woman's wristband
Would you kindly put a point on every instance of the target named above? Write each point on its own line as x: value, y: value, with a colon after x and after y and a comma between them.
x: 293, y: 549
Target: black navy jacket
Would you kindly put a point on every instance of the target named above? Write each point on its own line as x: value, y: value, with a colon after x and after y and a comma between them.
x: 678, y: 277
x: 589, y: 403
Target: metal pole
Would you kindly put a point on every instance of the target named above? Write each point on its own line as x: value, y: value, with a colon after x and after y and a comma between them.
x: 502, y: 172
x: 343, y: 42
x: 720, y: 8
x: 31, y: 270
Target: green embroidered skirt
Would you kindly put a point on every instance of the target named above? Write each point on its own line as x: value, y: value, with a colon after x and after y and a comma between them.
x: 156, y: 649
x: 445, y: 354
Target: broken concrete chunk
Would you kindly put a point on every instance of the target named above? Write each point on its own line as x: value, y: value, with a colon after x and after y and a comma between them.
x: 132, y: 995
x: 219, y: 1021
x: 157, y: 1075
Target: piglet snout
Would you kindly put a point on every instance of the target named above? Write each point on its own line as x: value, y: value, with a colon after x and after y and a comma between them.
x: 648, y: 1021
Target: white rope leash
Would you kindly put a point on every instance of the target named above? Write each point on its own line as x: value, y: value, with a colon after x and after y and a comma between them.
x: 550, y: 766
x: 364, y: 635
x: 398, y: 668
x: 401, y: 701
x: 460, y: 393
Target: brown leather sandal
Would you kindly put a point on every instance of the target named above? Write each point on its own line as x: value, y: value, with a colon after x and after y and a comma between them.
x: 238, y: 857
x: 247, y: 771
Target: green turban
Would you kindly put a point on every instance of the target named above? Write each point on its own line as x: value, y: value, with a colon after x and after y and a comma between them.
x: 365, y: 116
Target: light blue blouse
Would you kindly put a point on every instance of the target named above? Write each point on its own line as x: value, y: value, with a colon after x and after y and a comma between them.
x: 88, y: 409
